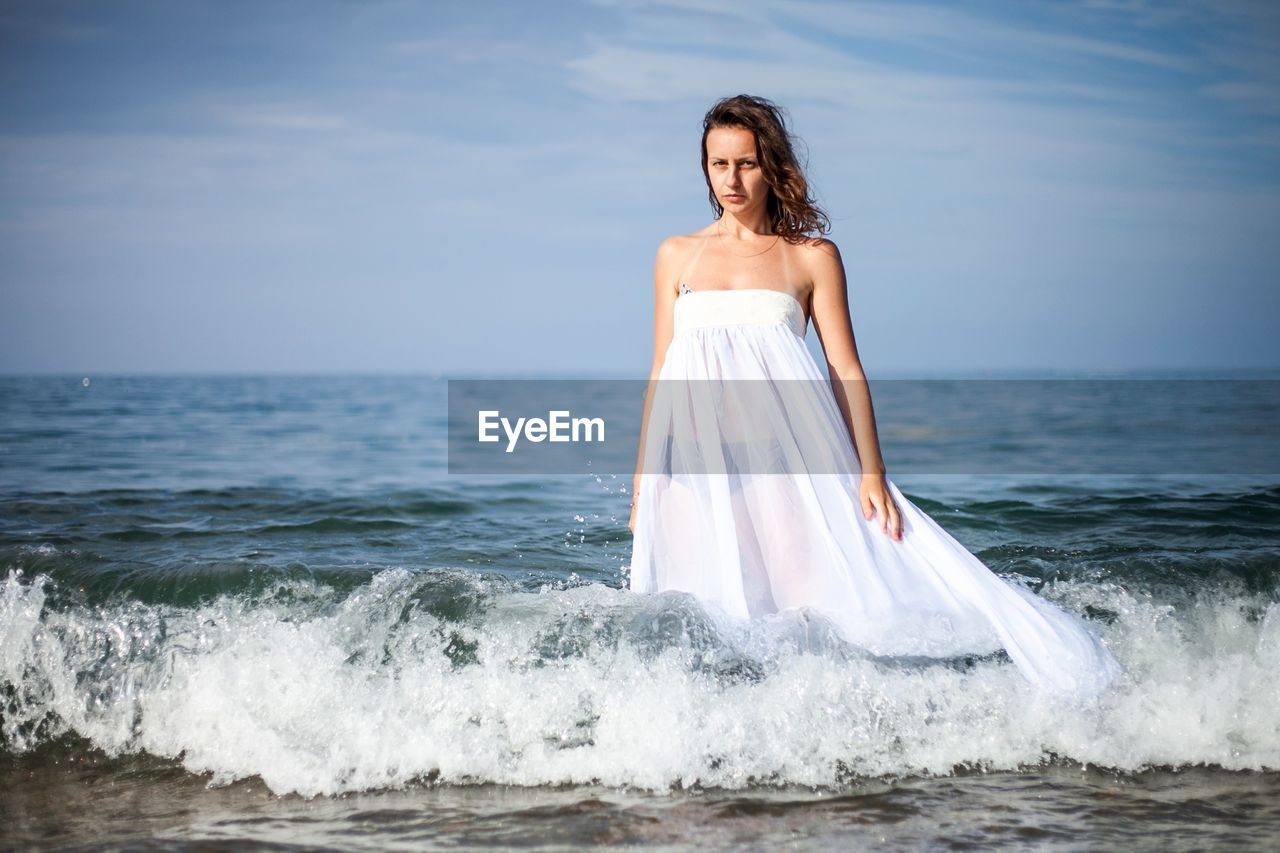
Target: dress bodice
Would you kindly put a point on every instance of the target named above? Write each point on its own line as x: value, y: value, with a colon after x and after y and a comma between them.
x: 697, y: 309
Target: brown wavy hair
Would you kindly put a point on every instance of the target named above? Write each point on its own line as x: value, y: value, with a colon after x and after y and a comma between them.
x: 792, y: 211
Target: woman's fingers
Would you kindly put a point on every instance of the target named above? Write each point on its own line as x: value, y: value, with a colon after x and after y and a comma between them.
x: 878, y: 499
x: 890, y: 515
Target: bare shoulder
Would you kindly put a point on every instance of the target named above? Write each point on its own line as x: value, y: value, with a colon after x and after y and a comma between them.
x: 670, y: 248
x: 681, y: 244
x: 820, y: 259
x: 667, y: 262
x: 675, y: 252
x: 819, y: 253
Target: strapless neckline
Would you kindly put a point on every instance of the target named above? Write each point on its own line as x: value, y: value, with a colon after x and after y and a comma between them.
x: 784, y: 294
x: 785, y: 309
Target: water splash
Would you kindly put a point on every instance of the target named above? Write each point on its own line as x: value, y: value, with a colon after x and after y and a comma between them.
x: 463, y: 678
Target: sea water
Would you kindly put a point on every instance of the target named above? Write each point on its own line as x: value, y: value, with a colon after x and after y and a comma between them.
x: 259, y: 609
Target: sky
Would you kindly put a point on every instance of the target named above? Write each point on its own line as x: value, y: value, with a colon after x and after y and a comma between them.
x: 479, y: 188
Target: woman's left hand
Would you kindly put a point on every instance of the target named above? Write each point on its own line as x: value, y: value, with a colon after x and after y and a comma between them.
x: 874, y: 496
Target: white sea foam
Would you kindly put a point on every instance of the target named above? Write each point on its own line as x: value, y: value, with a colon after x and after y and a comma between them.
x: 320, y: 693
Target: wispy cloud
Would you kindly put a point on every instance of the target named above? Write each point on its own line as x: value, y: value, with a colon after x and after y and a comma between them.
x: 961, y: 32
x: 998, y: 167
x: 974, y: 79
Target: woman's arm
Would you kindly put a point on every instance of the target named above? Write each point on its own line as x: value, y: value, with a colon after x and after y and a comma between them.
x: 830, y: 313
x: 664, y: 298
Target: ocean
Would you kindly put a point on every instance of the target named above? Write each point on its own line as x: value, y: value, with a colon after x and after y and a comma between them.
x: 261, y: 610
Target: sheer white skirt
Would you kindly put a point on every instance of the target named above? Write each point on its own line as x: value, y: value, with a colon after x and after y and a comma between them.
x: 749, y: 501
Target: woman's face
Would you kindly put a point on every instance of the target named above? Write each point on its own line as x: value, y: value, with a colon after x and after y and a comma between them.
x: 734, y: 170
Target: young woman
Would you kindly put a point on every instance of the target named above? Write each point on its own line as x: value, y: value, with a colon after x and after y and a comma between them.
x: 760, y: 485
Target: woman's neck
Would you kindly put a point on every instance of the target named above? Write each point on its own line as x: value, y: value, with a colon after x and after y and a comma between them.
x: 745, y: 228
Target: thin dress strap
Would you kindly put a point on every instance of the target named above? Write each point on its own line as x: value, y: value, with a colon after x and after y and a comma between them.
x: 786, y: 269
x: 684, y: 278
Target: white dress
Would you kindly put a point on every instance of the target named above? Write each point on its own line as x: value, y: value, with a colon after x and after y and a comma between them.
x: 753, y: 527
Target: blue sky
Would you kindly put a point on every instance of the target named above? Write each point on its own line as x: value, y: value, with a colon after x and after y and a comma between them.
x: 479, y: 188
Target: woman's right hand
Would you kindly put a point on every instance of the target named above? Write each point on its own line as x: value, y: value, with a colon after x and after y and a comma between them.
x: 631, y: 522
